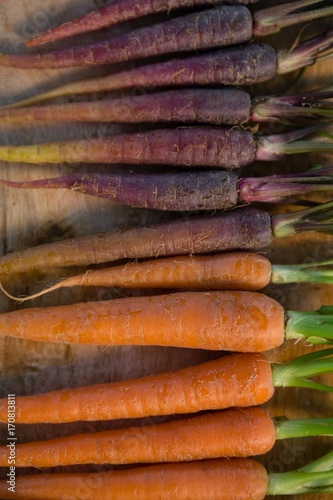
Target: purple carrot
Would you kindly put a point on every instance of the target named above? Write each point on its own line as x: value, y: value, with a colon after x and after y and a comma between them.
x: 118, y: 12
x: 185, y: 147
x: 230, y: 106
x: 219, y: 27
x: 242, y: 228
x: 209, y: 190
x: 230, y: 66
x: 125, y: 10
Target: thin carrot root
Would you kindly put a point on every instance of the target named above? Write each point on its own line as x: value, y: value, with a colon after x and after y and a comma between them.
x: 229, y: 271
x: 241, y: 478
x: 235, y: 380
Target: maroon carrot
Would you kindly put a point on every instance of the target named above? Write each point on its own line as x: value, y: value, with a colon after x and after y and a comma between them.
x: 230, y: 106
x: 187, y: 191
x: 185, y: 147
x: 242, y: 228
x: 229, y: 66
x: 219, y: 27
x: 120, y: 11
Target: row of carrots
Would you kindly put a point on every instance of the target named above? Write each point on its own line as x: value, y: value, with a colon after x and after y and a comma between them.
x: 213, y: 418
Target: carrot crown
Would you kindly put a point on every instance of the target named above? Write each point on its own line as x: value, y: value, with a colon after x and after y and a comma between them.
x: 316, y: 477
x: 298, y: 371
x: 271, y: 20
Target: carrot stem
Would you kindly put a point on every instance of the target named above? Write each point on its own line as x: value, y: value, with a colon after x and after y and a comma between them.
x: 303, y: 273
x: 305, y: 479
x: 318, y: 218
x: 272, y: 19
x: 287, y: 428
x: 296, y: 373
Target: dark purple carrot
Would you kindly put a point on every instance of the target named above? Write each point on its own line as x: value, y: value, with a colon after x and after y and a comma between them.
x: 120, y: 11
x: 208, y: 190
x: 244, y: 228
x: 218, y: 27
x: 230, y: 106
x: 184, y: 147
x: 124, y: 10
x: 230, y: 66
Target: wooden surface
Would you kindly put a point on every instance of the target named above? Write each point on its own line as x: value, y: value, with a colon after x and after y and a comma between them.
x: 30, y: 218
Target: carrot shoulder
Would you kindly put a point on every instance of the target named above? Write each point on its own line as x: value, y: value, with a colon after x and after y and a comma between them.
x: 232, y: 321
x: 241, y: 478
x: 235, y: 380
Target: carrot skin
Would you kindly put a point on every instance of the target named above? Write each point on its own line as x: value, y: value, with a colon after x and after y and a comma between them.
x: 222, y: 479
x: 218, y: 27
x: 244, y: 228
x: 236, y: 380
x: 229, y: 271
x: 230, y: 321
x: 182, y: 147
x: 213, y: 190
x: 223, y: 106
x: 245, y: 65
x: 230, y: 433
x: 119, y: 12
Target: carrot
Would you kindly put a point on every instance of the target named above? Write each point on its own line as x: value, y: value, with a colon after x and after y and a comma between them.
x: 218, y: 147
x: 203, y: 190
x: 218, y: 27
x: 242, y: 228
x: 118, y: 12
x: 235, y: 380
x: 230, y: 66
x: 230, y: 433
x: 230, y: 106
x: 213, y: 435
x: 230, y: 271
x: 231, y: 321
x: 243, y: 478
x: 220, y: 479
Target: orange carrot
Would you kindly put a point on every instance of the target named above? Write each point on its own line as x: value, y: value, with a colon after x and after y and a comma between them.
x: 238, y: 478
x: 229, y: 271
x: 234, y: 380
x: 229, y: 433
x: 231, y: 321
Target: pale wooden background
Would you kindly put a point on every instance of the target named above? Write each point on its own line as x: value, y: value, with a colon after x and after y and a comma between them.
x: 30, y: 218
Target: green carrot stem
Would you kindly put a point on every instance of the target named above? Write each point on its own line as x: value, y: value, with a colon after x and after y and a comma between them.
x: 313, y: 326
x: 298, y: 482
x: 316, y: 477
x: 303, y: 273
x: 286, y: 429
x: 297, y: 372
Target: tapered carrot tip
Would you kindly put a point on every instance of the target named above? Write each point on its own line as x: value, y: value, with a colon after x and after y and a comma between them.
x: 241, y: 479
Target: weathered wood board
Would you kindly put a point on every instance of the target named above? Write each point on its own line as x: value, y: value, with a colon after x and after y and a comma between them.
x: 30, y: 218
